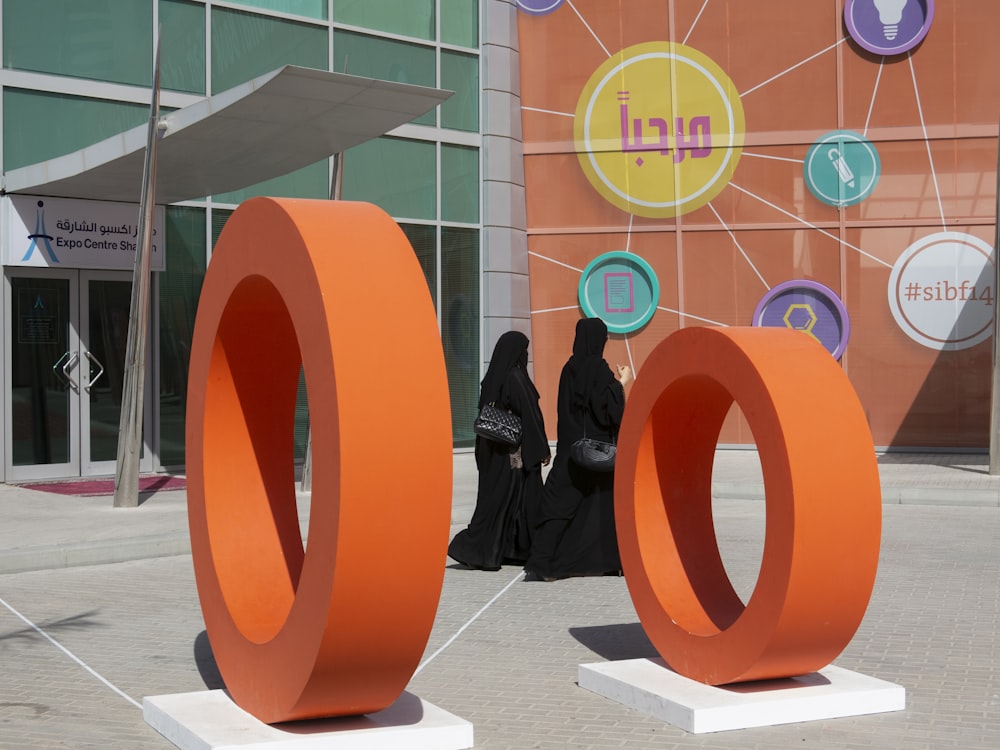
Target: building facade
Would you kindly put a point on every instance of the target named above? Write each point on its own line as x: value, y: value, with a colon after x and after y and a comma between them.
x: 657, y: 163
x: 76, y: 72
x: 828, y: 166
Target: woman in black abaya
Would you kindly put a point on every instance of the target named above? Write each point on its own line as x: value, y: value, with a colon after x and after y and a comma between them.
x: 510, y: 479
x: 576, y: 532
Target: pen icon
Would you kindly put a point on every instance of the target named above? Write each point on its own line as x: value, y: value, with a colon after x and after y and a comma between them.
x: 843, y: 169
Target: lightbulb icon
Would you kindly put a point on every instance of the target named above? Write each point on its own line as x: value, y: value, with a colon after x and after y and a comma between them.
x: 890, y: 13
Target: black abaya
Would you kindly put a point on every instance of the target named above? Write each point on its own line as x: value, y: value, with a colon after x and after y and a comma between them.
x: 576, y: 533
x: 508, y: 496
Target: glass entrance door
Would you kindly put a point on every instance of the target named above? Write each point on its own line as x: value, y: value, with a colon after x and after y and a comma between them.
x: 105, y: 301
x: 67, y: 338
x: 43, y: 393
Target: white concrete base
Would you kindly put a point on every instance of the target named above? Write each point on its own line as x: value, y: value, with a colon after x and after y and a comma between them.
x: 209, y: 720
x: 649, y: 686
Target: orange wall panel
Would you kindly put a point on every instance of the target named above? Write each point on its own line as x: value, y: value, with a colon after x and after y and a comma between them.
x: 782, y: 91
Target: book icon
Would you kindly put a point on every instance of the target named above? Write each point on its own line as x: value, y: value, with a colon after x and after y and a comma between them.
x: 619, y: 296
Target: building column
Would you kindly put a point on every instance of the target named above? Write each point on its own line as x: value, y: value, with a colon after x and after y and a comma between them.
x: 505, y: 302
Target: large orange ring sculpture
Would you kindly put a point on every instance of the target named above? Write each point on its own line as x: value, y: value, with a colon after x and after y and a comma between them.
x: 337, y: 628
x: 823, y: 504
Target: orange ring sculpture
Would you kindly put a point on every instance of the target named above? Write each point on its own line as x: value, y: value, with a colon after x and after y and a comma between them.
x: 338, y: 627
x: 823, y: 504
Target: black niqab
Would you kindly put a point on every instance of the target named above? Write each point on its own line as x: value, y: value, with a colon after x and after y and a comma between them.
x: 511, y: 351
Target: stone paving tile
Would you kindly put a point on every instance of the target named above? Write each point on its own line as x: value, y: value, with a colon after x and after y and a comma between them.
x: 931, y: 627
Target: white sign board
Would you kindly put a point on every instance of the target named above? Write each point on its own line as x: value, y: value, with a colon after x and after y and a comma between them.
x: 941, y: 291
x: 65, y: 233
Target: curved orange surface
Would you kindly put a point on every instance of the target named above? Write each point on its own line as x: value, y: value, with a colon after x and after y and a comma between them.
x: 823, y: 503
x: 338, y: 628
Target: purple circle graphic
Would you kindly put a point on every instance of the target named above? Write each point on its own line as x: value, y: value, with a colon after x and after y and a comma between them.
x: 806, y: 306
x: 538, y: 7
x: 888, y: 27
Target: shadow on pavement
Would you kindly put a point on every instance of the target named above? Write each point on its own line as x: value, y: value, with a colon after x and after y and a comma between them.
x: 615, y: 642
x: 204, y: 659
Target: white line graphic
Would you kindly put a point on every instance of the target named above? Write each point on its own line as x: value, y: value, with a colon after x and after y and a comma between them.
x: 811, y: 226
x: 69, y: 653
x: 739, y: 246
x: 475, y: 617
x: 587, y: 25
x: 927, y: 142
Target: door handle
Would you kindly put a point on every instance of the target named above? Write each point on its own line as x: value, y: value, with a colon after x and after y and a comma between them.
x: 93, y: 360
x: 67, y: 360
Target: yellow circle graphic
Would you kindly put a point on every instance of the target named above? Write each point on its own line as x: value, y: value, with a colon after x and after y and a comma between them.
x: 659, y: 129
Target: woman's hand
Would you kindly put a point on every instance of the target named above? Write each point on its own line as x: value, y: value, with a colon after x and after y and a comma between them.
x: 624, y: 374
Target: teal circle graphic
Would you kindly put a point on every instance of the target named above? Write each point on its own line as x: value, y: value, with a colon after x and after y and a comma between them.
x: 621, y: 289
x: 842, y: 168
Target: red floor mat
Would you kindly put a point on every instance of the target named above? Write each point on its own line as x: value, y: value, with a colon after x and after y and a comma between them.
x: 91, y: 487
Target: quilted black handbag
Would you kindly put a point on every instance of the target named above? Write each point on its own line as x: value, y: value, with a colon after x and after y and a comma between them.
x: 593, y: 455
x: 498, y: 425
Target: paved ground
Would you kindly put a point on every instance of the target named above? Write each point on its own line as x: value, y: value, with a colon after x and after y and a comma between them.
x: 87, y: 628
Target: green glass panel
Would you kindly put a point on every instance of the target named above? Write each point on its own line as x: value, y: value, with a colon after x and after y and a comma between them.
x: 246, y: 45
x: 423, y: 240
x: 459, y: 183
x: 460, y: 327
x: 219, y: 218
x: 387, y: 60
x: 395, y: 173
x: 410, y: 18
x: 39, y: 126
x: 109, y: 303
x: 460, y: 22
x: 300, y: 430
x: 182, y: 46
x: 179, y: 286
x: 307, y: 8
x: 309, y: 182
x: 460, y: 73
x: 109, y: 40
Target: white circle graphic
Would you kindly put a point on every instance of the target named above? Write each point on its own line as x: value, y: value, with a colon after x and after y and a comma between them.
x: 942, y: 291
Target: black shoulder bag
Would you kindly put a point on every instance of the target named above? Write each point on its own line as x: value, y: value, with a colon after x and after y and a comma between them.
x: 593, y: 455
x: 498, y: 425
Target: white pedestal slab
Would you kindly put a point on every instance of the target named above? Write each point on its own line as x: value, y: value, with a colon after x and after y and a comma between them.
x: 209, y: 720
x: 649, y: 686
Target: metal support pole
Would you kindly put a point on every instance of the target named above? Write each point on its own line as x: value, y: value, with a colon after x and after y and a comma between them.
x: 130, y: 424
x: 336, y: 186
x: 995, y: 383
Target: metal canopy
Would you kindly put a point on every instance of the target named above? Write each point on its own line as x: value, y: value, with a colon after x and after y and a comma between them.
x: 267, y: 127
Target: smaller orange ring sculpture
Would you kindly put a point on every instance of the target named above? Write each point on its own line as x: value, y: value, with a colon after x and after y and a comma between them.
x: 823, y: 504
x: 337, y: 628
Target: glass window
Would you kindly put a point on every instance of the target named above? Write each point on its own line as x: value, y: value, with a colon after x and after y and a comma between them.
x: 246, y: 45
x: 387, y: 60
x: 459, y: 183
x: 219, y: 218
x: 410, y: 18
x: 423, y: 239
x: 395, y: 173
x: 309, y: 182
x: 460, y: 73
x: 39, y: 126
x: 108, y: 41
x: 307, y: 8
x: 460, y: 23
x: 182, y: 46
x: 180, y: 286
x: 460, y: 327
x: 300, y: 428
